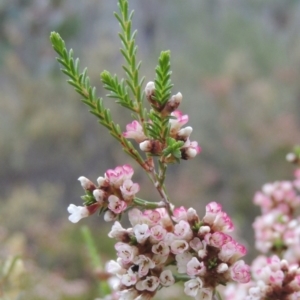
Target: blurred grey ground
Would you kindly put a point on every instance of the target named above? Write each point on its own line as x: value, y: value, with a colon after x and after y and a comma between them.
x: 237, y: 64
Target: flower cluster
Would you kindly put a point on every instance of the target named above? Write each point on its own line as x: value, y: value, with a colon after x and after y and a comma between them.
x: 277, y: 230
x: 203, y: 254
x: 134, y: 130
x: 113, y: 194
x: 275, y: 279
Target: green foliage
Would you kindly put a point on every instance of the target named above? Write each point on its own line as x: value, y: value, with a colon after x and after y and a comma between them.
x: 173, y: 148
x: 163, y: 83
x: 129, y: 50
x: 96, y: 262
x: 81, y: 83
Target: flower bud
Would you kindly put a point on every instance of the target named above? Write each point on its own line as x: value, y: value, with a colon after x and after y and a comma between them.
x: 150, y: 89
x: 185, y: 132
x: 86, y: 184
x: 102, y: 182
x: 291, y: 157
x: 222, y: 268
x: 98, y: 194
x: 172, y: 104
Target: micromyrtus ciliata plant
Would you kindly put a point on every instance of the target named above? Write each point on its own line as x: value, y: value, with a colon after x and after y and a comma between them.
x: 166, y: 244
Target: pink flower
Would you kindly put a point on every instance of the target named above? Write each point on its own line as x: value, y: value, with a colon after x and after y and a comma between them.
x: 134, y: 130
x: 190, y: 149
x: 157, y: 233
x: 129, y: 278
x: 183, y: 230
x: 144, y: 263
x: 194, y: 267
x: 126, y: 252
x: 240, y: 272
x: 232, y: 251
x: 178, y: 122
x: 180, y: 213
x: 116, y: 205
x: 117, y: 176
x: 217, y: 239
x: 129, y: 189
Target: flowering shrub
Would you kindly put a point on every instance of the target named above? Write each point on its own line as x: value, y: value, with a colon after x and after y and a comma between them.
x: 165, y: 244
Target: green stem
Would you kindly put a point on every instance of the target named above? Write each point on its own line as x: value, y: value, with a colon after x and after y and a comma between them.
x: 147, y: 204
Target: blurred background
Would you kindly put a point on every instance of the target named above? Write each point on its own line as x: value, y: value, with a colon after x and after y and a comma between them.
x: 237, y: 64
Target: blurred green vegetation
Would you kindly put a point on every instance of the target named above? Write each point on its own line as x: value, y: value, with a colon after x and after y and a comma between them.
x: 237, y: 66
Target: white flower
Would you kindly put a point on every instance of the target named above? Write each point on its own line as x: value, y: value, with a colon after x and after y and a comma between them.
x: 77, y: 213
x: 141, y: 232
x: 192, y: 287
x: 166, y: 278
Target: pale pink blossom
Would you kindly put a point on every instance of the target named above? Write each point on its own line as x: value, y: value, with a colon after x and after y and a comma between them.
x: 178, y: 122
x: 134, y: 130
x: 126, y: 252
x: 161, y: 248
x: 196, y: 244
x: 179, y: 246
x: 195, y: 267
x: 182, y: 260
x: 151, y: 283
x: 179, y: 213
x: 232, y: 251
x: 144, y: 263
x: 113, y: 267
x: 166, y: 278
x: 193, y: 286
x: 190, y: 149
x: 157, y: 233
x: 240, y: 272
x: 117, y: 176
x: 129, y: 189
x: 217, y: 239
x: 135, y: 217
x: 151, y: 216
x: 129, y: 278
x: 141, y: 232
x: 116, y: 205
x: 182, y: 230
